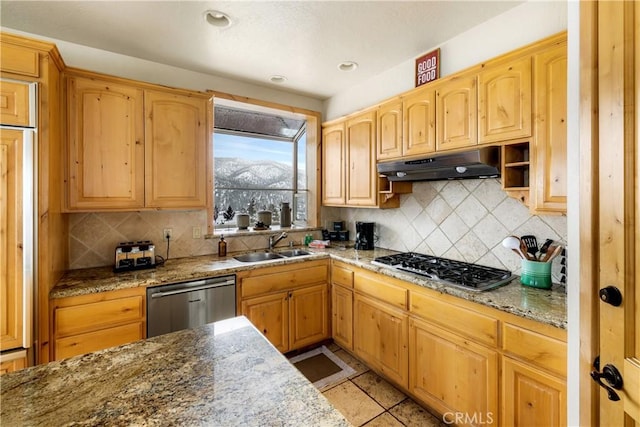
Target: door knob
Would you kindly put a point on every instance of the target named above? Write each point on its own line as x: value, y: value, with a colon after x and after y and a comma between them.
x: 611, y: 295
x: 611, y: 375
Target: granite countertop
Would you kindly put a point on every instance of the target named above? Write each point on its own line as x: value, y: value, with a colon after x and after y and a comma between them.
x: 546, y: 306
x: 221, y: 374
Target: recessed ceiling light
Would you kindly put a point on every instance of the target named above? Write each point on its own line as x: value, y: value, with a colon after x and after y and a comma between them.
x: 217, y: 18
x: 278, y: 79
x: 347, y: 66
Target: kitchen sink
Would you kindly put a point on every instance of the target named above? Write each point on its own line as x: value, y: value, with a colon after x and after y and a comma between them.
x: 294, y: 252
x: 257, y: 256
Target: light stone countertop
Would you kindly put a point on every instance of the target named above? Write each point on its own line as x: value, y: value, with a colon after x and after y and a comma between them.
x: 221, y: 374
x: 546, y: 306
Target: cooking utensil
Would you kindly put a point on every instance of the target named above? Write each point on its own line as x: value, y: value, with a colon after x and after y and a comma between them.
x: 545, y: 247
x: 551, y: 254
x: 532, y: 245
x: 513, y: 243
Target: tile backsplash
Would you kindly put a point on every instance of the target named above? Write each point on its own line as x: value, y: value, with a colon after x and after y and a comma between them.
x: 93, y: 237
x: 463, y: 219
x: 460, y: 219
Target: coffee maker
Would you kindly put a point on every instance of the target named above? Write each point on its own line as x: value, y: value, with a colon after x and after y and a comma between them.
x: 364, y: 235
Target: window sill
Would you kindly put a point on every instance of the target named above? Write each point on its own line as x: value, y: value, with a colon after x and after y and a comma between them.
x: 235, y: 232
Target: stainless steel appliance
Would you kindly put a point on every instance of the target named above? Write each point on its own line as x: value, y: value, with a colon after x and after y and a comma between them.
x: 364, y: 235
x: 189, y: 304
x: 135, y: 255
x: 472, y: 277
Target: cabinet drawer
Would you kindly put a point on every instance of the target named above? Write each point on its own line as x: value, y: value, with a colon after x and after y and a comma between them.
x: 15, y: 104
x: 381, y: 287
x: 19, y: 60
x: 283, y: 280
x: 476, y: 326
x: 545, y: 352
x: 92, y: 316
x: 98, y: 340
x: 341, y: 276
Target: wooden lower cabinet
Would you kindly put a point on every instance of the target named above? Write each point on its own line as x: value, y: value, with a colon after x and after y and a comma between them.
x: 13, y: 362
x: 531, y: 397
x: 289, y: 304
x: 453, y: 375
x: 87, y: 323
x: 342, y: 316
x: 381, y: 336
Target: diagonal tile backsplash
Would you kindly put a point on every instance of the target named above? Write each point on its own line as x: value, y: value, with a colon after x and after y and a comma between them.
x: 463, y: 219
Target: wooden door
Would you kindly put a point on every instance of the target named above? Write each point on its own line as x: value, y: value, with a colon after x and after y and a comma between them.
x: 550, y: 147
x: 531, y: 397
x: 361, y: 176
x: 11, y: 240
x: 389, y: 126
x: 617, y: 333
x: 105, y: 145
x: 453, y: 375
x: 16, y: 104
x: 308, y: 316
x: 342, y: 311
x: 333, y: 165
x: 505, y: 101
x: 176, y: 140
x: 380, y: 338
x: 456, y: 113
x: 419, y: 122
x: 270, y: 314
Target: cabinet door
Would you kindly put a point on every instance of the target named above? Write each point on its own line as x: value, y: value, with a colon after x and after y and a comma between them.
x: 15, y: 104
x: 13, y: 365
x: 333, y: 165
x: 505, y: 101
x: 176, y: 136
x: 309, y: 316
x: 106, y: 145
x: 270, y: 314
x: 550, y: 165
x: 362, y: 182
x: 11, y: 146
x: 531, y: 397
x: 419, y: 118
x: 389, y: 126
x: 342, y: 315
x: 452, y: 374
x: 456, y: 114
x: 380, y: 338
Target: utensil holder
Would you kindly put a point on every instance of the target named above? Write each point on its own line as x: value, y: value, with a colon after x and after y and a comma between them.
x: 536, y: 274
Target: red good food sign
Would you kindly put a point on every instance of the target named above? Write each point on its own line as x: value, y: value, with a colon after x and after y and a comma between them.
x: 428, y: 67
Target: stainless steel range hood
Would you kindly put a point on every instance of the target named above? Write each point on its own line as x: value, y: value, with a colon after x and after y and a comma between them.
x: 480, y: 163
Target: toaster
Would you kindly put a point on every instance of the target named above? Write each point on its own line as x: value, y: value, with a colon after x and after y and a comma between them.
x: 135, y: 255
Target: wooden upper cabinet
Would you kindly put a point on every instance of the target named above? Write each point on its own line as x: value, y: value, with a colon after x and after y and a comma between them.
x: 550, y: 153
x: 19, y: 60
x: 333, y: 165
x: 389, y: 128
x: 361, y: 176
x: 456, y: 114
x: 16, y: 105
x: 106, y: 144
x: 11, y: 255
x: 505, y: 101
x: 419, y: 115
x: 176, y: 150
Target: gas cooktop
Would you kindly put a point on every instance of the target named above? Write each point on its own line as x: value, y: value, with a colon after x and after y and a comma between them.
x: 471, y: 277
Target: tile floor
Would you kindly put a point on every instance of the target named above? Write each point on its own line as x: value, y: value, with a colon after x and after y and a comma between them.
x: 366, y: 399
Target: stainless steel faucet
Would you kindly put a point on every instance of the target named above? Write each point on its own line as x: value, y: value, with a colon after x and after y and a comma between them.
x: 274, y: 241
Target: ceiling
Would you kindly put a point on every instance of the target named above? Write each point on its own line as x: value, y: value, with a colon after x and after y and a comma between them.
x: 301, y: 40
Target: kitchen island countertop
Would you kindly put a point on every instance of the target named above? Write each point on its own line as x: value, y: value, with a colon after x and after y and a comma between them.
x: 546, y: 306
x: 221, y: 374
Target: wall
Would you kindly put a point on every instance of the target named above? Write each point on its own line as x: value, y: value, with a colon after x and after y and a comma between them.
x: 462, y: 219
x: 93, y: 237
x: 522, y: 25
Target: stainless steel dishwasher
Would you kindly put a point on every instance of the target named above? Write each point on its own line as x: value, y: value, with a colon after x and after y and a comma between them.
x: 189, y: 304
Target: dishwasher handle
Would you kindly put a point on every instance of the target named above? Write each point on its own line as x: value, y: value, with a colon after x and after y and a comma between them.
x: 195, y: 286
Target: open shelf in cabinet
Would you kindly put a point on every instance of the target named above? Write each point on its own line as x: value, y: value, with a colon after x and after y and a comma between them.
x: 389, y: 192
x: 515, y: 170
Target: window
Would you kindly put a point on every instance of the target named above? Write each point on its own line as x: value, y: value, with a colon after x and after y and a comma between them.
x: 260, y: 161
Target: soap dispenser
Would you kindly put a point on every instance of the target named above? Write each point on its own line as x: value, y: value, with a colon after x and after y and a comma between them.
x: 222, y: 247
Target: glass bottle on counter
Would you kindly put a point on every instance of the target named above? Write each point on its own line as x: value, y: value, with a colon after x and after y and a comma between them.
x: 222, y: 247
